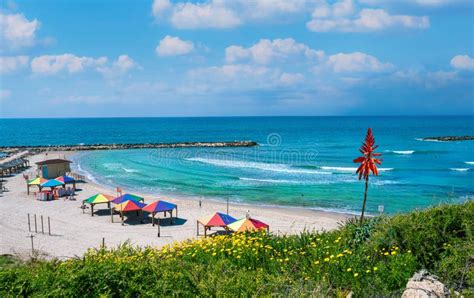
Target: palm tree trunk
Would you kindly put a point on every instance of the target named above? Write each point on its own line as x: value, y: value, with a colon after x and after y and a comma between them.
x: 365, y: 199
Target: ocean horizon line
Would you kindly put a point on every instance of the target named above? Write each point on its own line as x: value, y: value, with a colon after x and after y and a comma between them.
x: 237, y: 116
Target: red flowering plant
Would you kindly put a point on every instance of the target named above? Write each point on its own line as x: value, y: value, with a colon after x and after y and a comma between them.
x: 368, y: 164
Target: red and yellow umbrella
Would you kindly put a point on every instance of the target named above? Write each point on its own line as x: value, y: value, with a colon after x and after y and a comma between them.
x: 247, y: 224
x: 129, y: 205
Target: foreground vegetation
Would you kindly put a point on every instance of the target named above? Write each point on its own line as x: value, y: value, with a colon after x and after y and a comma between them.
x: 375, y: 259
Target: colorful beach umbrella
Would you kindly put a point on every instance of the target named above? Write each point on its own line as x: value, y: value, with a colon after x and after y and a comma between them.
x: 247, y: 224
x: 65, y: 179
x: 37, y: 181
x: 159, y: 206
x: 99, y: 199
x: 217, y: 220
x: 51, y: 183
x: 126, y: 197
x: 129, y: 205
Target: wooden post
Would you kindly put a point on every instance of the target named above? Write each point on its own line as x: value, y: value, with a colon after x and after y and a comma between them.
x: 205, y: 231
x: 42, y: 226
x: 36, y: 226
x: 153, y: 219
x: 111, y: 213
x: 197, y: 228
x: 32, y: 245
x: 103, y: 242
x: 159, y: 228
x: 49, y: 227
x: 121, y: 214
x: 29, y: 223
x: 176, y: 211
x: 92, y: 209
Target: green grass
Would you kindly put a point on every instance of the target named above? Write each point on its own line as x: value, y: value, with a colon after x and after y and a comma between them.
x: 375, y: 259
x: 7, y: 261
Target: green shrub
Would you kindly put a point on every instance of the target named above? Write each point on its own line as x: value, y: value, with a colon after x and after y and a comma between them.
x: 375, y: 259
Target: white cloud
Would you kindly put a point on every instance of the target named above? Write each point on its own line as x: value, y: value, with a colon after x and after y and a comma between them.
x: 213, y: 14
x: 356, y: 62
x: 121, y: 66
x: 173, y: 46
x: 261, y: 9
x: 16, y: 31
x: 10, y: 64
x: 4, y: 94
x: 266, y: 51
x: 229, y: 71
x: 291, y: 78
x: 434, y: 2
x: 343, y: 17
x: 463, y: 62
x: 225, y: 14
x: 160, y: 6
x: 52, y: 64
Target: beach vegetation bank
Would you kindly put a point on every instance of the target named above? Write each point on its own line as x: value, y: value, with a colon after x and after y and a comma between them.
x: 375, y: 258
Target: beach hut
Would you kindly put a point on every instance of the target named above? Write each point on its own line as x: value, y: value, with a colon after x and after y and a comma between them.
x: 128, y: 206
x: 217, y: 219
x: 126, y: 197
x: 247, y: 224
x: 98, y: 199
x: 51, y: 168
x: 161, y: 206
x: 36, y: 181
x: 67, y: 180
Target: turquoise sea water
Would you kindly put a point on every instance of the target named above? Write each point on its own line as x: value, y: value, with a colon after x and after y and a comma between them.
x: 301, y: 161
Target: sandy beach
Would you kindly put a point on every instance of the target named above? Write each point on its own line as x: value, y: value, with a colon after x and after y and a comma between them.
x: 73, y: 231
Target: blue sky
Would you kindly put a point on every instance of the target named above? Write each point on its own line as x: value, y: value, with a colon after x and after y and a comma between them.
x: 230, y: 58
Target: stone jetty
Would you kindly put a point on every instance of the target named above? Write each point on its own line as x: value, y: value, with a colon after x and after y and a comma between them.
x: 129, y: 146
x: 450, y: 138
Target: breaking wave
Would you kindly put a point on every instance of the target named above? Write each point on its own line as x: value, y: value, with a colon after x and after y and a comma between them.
x: 256, y: 165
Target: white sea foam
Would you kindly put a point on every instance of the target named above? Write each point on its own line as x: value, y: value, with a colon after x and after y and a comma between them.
x: 405, y: 152
x: 272, y: 181
x: 430, y: 140
x: 331, y: 180
x: 81, y: 171
x: 459, y: 169
x: 469, y: 162
x: 130, y: 170
x: 350, y: 169
x: 256, y: 165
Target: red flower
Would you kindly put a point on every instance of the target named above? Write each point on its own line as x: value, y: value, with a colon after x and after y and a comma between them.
x: 368, y: 160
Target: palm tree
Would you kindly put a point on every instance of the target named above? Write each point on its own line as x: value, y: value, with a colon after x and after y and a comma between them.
x: 368, y: 163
